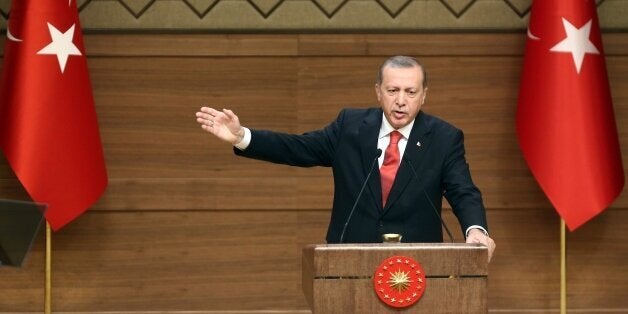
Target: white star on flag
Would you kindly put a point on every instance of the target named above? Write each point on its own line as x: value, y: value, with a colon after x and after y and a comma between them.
x: 577, y: 43
x: 61, y: 45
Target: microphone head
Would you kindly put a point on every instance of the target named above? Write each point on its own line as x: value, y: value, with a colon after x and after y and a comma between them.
x: 378, y: 153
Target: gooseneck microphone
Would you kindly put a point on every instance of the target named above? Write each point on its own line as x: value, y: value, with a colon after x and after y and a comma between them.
x: 416, y: 176
x: 357, y: 199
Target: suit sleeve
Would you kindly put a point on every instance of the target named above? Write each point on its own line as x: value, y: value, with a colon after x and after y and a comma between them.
x: 315, y: 148
x: 460, y: 191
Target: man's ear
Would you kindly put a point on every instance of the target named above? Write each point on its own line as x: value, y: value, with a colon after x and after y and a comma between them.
x: 378, y: 92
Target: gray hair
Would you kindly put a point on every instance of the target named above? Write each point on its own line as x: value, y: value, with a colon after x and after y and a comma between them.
x: 401, y: 62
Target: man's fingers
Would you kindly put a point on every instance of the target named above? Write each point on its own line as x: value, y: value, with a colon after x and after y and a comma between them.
x: 229, y: 114
x: 485, y: 240
x: 491, y: 248
x: 210, y: 116
x: 219, y: 123
x: 474, y: 239
x: 211, y: 111
x: 203, y: 115
x: 204, y: 119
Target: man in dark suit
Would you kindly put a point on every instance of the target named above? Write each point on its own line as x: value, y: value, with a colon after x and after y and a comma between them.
x: 423, y: 160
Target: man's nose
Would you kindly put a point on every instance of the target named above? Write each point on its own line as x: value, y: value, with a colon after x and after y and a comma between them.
x: 400, y: 99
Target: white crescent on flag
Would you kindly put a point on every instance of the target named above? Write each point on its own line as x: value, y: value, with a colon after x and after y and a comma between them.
x: 11, y: 37
x: 531, y: 36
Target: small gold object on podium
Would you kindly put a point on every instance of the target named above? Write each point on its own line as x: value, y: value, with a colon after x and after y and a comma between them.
x: 391, y: 238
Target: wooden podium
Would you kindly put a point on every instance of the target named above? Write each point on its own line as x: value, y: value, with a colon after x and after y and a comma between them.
x: 337, y: 278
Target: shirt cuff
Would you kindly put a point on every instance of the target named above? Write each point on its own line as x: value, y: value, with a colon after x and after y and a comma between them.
x: 246, y: 140
x: 466, y: 233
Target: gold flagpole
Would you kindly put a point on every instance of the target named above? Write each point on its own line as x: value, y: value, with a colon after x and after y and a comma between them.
x: 48, y: 285
x: 563, y: 269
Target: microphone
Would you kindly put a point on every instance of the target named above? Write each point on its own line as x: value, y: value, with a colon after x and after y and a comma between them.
x: 357, y: 199
x: 416, y: 176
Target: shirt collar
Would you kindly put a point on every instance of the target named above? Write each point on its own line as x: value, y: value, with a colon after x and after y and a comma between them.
x: 387, y: 128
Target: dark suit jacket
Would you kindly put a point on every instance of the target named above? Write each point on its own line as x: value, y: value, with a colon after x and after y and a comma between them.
x: 349, y: 146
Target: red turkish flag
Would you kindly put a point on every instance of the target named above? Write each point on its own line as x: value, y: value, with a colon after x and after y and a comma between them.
x: 48, y: 127
x: 565, y: 119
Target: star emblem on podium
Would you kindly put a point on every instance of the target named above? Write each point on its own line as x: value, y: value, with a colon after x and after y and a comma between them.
x: 399, y: 281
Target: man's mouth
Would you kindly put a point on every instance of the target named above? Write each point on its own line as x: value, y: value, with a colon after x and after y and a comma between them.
x: 398, y: 114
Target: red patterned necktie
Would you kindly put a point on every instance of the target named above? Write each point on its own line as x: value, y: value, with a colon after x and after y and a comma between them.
x: 388, y: 171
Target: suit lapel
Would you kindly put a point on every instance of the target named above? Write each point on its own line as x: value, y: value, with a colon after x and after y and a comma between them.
x: 416, y: 148
x: 369, y: 132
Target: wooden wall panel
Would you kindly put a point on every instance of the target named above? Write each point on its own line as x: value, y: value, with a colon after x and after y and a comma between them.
x: 172, y: 261
x: 250, y: 260
x: 146, y: 109
x: 186, y: 226
x: 185, y: 261
x: 597, y: 265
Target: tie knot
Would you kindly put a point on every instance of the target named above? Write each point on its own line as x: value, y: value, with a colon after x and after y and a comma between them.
x: 395, y: 136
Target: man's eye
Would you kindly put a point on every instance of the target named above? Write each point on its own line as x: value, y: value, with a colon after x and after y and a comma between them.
x: 412, y: 93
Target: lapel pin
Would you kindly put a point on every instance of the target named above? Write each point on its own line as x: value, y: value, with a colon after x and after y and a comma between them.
x: 418, y: 144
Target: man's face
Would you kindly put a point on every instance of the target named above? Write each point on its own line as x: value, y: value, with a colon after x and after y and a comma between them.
x: 401, y: 94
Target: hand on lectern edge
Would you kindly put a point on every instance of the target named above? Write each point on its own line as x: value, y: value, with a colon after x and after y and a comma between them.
x: 477, y: 236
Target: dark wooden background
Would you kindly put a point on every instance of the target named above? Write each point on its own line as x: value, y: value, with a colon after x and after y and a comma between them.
x: 186, y: 226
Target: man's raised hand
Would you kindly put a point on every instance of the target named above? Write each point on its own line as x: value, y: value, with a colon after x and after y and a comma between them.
x: 224, y: 124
